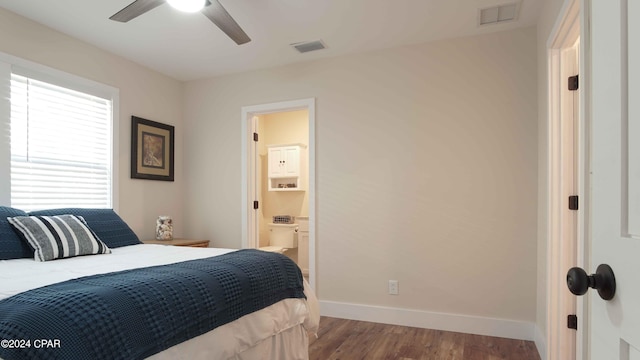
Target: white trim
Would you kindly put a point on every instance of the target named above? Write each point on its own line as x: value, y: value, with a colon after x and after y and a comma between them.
x: 78, y: 83
x: 57, y: 77
x: 247, y: 113
x: 583, y: 255
x: 553, y: 203
x: 564, y: 30
x: 541, y: 343
x: 115, y: 150
x: 467, y: 324
x: 5, y: 133
x: 563, y: 36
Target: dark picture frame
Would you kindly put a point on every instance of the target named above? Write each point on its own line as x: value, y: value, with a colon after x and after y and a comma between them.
x: 152, y: 148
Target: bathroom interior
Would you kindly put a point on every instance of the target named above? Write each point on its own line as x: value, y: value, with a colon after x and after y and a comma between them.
x: 284, y: 197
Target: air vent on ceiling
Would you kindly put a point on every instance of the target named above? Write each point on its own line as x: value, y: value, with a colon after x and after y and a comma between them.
x: 304, y: 47
x: 498, y: 14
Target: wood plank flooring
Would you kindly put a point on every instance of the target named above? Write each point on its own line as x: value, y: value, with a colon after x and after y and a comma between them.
x: 350, y: 339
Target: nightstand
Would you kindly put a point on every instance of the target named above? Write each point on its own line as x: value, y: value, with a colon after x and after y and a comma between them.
x: 180, y: 242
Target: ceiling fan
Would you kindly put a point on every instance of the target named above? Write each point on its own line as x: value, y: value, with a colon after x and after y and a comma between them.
x: 212, y: 9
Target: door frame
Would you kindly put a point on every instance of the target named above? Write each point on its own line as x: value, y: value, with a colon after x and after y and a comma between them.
x: 249, y: 176
x: 569, y: 27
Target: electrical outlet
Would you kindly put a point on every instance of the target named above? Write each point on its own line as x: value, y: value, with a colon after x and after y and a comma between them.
x: 393, y: 287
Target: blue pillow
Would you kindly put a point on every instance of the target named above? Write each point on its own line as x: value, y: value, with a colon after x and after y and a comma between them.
x: 11, y: 245
x: 107, y: 225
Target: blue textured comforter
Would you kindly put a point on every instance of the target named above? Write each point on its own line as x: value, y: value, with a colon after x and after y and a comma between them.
x: 136, y: 313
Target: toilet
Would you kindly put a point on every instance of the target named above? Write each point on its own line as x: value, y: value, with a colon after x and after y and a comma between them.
x: 282, y: 237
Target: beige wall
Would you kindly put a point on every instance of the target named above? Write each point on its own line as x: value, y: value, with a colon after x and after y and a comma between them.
x: 143, y: 92
x: 426, y: 170
x: 427, y: 162
x: 546, y: 22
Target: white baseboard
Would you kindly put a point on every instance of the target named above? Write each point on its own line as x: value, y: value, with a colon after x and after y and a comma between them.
x: 541, y: 343
x: 520, y: 330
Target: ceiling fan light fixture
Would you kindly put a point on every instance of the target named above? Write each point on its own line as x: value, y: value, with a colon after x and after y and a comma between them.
x: 187, y: 5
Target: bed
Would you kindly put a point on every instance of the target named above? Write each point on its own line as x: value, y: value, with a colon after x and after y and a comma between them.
x: 271, y: 326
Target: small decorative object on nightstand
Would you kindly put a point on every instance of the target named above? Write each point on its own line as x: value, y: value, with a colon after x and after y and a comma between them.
x: 164, y: 228
x: 180, y: 242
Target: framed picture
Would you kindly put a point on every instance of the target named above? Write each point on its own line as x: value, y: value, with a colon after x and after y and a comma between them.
x: 152, y: 145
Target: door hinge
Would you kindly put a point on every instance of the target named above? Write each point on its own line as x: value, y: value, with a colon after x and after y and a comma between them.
x: 572, y: 322
x: 573, y: 202
x: 573, y: 83
x: 255, y: 204
x: 255, y: 136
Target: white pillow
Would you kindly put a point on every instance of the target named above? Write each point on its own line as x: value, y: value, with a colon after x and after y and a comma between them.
x: 57, y: 237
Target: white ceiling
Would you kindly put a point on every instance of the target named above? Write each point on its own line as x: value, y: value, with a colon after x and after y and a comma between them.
x: 188, y: 46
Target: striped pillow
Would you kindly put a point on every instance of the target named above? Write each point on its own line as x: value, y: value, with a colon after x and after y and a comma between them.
x: 57, y: 237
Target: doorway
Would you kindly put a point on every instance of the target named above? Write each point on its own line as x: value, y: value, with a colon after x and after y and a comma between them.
x: 290, y: 123
x: 565, y: 219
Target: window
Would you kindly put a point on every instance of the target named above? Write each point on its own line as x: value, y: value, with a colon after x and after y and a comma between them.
x: 60, y: 146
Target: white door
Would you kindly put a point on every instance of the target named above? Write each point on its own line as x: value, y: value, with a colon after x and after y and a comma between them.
x: 613, y: 329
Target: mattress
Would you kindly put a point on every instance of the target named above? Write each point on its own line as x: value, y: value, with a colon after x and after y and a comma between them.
x: 288, y: 320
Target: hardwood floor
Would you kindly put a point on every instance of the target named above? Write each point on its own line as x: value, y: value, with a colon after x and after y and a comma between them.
x: 350, y: 339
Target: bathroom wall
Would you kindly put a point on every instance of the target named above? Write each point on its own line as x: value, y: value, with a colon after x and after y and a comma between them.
x: 281, y: 128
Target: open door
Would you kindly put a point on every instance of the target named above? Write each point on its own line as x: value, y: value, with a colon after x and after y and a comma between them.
x: 612, y: 67
x: 250, y: 189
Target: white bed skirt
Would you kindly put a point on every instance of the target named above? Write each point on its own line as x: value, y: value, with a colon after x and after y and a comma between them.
x: 278, y: 331
x: 281, y: 330
x: 290, y: 344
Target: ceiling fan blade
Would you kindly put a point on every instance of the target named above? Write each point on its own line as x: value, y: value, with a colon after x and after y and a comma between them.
x: 136, y: 9
x: 219, y: 16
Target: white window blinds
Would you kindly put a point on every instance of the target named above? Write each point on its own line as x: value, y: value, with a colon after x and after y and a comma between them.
x: 60, y: 147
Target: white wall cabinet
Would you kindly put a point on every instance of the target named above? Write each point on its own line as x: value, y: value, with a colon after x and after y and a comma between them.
x: 286, y: 167
x: 284, y: 161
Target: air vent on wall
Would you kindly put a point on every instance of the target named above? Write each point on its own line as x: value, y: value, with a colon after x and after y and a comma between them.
x: 304, y: 47
x: 498, y: 14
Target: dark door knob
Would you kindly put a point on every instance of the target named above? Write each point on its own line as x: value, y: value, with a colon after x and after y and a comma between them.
x: 603, y: 280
